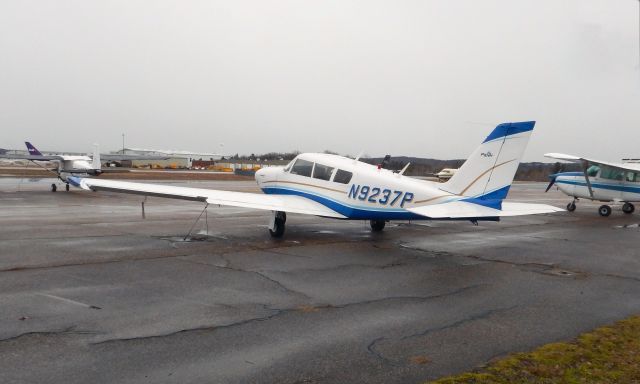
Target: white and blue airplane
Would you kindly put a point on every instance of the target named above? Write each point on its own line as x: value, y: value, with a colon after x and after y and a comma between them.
x: 599, y: 181
x: 74, y: 165
x: 343, y: 188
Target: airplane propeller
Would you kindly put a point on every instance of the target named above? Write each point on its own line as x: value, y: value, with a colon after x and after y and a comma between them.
x: 553, y: 181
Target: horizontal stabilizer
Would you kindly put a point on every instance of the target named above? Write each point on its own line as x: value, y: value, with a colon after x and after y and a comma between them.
x: 462, y: 209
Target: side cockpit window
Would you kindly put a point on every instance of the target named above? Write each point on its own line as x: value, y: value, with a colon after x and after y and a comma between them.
x: 302, y: 168
x: 633, y: 177
x: 342, y: 177
x: 322, y: 172
x: 612, y: 173
x: 593, y: 170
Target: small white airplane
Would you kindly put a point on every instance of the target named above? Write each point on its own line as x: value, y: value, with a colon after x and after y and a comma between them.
x: 71, y: 165
x: 343, y: 188
x: 446, y: 173
x: 599, y: 181
x: 66, y: 165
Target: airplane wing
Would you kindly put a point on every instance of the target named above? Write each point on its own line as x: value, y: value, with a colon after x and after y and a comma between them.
x: 463, y: 209
x: 284, y: 203
x: 624, y: 166
x: 32, y: 157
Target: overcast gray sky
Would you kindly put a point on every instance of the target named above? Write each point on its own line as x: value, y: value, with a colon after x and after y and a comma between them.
x: 422, y: 78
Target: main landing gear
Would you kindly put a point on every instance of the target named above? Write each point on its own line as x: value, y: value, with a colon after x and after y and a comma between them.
x: 377, y: 225
x: 604, y: 210
x: 277, y: 224
x: 628, y: 208
x: 54, y: 187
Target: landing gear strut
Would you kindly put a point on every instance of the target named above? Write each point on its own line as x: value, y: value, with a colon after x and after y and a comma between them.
x: 53, y: 188
x: 276, y: 227
x: 604, y: 210
x: 628, y: 208
x: 377, y: 225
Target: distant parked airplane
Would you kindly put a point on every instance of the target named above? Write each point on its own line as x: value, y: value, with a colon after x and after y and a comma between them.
x: 71, y: 165
x: 600, y: 180
x: 446, y: 173
x: 339, y: 187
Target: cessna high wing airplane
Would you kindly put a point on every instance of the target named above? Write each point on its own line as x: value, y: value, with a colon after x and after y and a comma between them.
x: 72, y: 165
x: 600, y: 180
x: 342, y: 188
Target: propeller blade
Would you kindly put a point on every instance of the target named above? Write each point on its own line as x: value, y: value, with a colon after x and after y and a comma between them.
x: 553, y: 181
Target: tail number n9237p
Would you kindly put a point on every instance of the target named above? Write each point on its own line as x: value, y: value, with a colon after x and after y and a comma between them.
x: 379, y: 195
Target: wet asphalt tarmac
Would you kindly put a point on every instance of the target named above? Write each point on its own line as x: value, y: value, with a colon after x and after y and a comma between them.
x: 90, y: 292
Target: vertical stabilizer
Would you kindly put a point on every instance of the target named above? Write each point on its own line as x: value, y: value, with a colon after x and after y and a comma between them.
x: 32, y: 150
x: 489, y: 171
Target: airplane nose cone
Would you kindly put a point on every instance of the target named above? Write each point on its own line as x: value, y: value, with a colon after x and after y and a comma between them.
x: 261, y: 175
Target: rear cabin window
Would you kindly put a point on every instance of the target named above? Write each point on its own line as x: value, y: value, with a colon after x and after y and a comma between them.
x: 302, y: 168
x: 322, y: 172
x: 633, y: 176
x: 342, y: 177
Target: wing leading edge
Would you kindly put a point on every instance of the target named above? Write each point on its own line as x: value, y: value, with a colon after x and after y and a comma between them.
x: 284, y: 203
x: 634, y: 167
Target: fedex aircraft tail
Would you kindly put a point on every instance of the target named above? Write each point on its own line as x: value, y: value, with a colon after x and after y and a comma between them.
x: 489, y: 171
x: 32, y: 150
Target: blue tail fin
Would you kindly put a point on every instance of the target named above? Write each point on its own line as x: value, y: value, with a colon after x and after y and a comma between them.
x: 32, y: 150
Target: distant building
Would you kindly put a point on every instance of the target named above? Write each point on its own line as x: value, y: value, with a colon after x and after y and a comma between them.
x: 176, y: 159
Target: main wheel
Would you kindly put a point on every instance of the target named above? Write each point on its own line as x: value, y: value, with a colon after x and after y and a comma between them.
x: 67, y: 187
x: 53, y: 188
x: 628, y: 208
x: 571, y: 206
x: 604, y: 210
x: 278, y: 225
x: 377, y: 225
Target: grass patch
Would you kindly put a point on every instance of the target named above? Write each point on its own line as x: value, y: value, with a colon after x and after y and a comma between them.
x: 608, y: 354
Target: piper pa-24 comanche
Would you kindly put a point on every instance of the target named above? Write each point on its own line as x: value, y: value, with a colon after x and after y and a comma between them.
x: 599, y: 180
x: 343, y: 188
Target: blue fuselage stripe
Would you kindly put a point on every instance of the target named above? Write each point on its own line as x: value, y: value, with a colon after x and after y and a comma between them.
x: 596, y: 185
x: 353, y: 212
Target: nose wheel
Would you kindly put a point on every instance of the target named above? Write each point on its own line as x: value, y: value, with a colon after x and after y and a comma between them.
x: 628, y: 208
x: 571, y: 206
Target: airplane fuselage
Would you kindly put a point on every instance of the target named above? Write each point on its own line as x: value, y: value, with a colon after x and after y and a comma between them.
x: 604, y: 189
x: 357, y: 190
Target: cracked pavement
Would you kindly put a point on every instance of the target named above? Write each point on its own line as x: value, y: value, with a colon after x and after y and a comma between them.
x: 91, y: 292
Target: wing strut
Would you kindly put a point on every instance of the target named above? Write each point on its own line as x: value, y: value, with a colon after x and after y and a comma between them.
x: 585, y: 167
x: 198, y: 219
